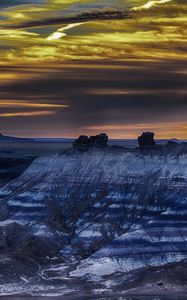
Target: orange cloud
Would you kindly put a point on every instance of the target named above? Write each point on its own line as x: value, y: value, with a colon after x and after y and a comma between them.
x: 15, y: 103
x: 27, y: 114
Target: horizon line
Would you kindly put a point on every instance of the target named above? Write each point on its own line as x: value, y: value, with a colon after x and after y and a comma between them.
x: 75, y: 137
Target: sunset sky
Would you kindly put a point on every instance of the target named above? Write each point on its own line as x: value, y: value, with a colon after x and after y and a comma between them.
x: 62, y: 75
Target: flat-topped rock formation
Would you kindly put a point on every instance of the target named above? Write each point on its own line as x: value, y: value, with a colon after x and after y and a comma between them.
x: 84, y: 143
x: 146, y: 140
x: 147, y: 145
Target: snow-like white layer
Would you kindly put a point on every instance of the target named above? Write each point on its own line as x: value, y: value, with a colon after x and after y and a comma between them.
x: 43, y: 231
x: 175, y: 212
x: 115, y: 196
x: 57, y: 268
x: 134, y: 250
x: 107, y: 265
x: 39, y: 290
x: 91, y: 227
x: 24, y: 204
x: 11, y: 221
x: 23, y: 214
x: 89, y: 233
x: 115, y: 206
x: 97, y: 204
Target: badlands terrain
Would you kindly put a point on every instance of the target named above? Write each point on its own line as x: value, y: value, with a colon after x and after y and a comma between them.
x: 94, y: 224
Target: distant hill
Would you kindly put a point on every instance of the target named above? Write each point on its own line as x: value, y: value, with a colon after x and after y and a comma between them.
x: 54, y: 140
x: 5, y: 138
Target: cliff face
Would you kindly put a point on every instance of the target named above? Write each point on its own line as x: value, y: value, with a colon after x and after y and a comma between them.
x: 97, y: 217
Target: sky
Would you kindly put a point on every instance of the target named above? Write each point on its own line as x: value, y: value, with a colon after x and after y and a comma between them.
x: 70, y: 67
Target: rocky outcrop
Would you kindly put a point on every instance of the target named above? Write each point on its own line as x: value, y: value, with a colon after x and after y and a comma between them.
x: 92, y: 140
x: 98, y: 141
x: 83, y: 143
x: 146, y: 140
x: 101, y: 140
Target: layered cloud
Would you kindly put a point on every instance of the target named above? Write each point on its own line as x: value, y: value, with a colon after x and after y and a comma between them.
x: 26, y: 114
x: 121, y: 98
x: 70, y: 66
x: 54, y: 31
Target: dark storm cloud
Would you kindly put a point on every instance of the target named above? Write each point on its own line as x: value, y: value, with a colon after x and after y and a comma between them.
x: 122, y: 94
x: 81, y: 17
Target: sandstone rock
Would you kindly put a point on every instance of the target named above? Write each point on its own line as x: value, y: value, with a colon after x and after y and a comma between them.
x: 82, y: 143
x: 92, y: 140
x: 101, y: 140
x: 146, y: 140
